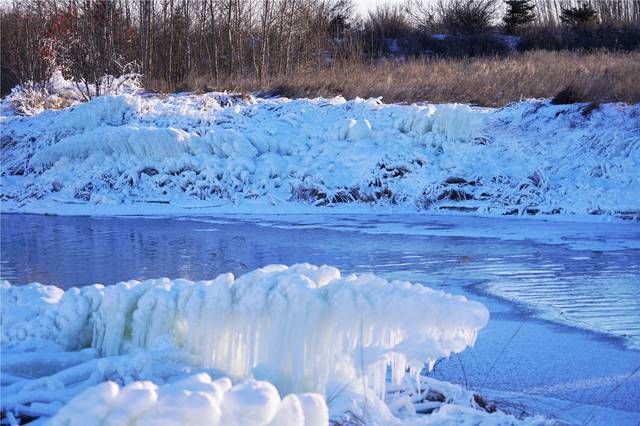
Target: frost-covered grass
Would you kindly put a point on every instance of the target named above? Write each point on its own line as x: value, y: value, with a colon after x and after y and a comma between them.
x: 530, y: 157
x: 147, y: 351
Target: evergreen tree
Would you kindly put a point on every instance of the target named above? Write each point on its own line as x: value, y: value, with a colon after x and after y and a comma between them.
x: 519, y: 13
x: 579, y: 16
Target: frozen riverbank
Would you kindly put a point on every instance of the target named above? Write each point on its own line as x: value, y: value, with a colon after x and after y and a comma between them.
x: 212, y: 152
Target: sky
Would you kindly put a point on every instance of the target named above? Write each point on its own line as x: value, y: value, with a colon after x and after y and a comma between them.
x: 363, y: 6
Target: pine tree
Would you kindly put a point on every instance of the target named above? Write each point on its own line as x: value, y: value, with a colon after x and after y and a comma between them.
x: 519, y: 13
x: 579, y: 16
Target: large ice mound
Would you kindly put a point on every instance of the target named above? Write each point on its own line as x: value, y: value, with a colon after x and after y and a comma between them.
x: 300, y: 327
x: 526, y: 158
x: 298, y: 345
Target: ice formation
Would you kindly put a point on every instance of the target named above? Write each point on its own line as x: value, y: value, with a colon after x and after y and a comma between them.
x: 242, y: 351
x: 526, y: 158
x: 334, y: 328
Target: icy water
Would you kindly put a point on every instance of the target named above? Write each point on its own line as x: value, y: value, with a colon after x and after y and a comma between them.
x: 584, y: 277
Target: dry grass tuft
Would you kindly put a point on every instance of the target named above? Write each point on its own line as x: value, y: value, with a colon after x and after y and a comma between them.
x: 489, y: 81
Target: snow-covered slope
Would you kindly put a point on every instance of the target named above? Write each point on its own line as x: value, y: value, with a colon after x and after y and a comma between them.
x: 529, y: 157
x: 146, y: 352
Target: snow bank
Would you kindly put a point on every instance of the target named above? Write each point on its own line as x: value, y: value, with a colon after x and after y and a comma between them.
x: 195, y: 400
x: 527, y: 158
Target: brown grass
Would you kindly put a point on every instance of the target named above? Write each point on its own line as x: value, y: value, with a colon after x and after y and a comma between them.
x: 490, y: 81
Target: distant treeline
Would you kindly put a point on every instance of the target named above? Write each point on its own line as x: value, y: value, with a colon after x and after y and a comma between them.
x: 183, y: 43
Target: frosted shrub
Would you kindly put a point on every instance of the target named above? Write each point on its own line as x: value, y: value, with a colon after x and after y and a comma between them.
x: 32, y: 98
x: 110, y: 85
x: 57, y: 92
